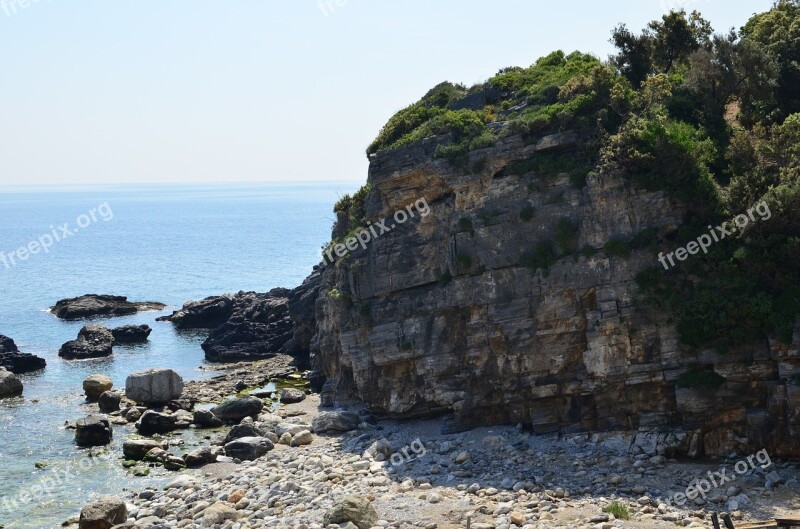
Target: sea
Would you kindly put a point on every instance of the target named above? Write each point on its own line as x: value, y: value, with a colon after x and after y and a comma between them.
x: 166, y: 243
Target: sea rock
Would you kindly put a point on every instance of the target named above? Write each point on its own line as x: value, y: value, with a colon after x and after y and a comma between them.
x: 258, y: 326
x: 204, y: 314
x: 94, y: 341
x: 10, y: 385
x: 248, y: 448
x: 335, y: 421
x: 91, y: 305
x: 154, y: 386
x: 236, y: 409
x: 353, y: 509
x: 136, y: 449
x: 96, y: 385
x: 103, y: 514
x: 94, y: 430
x: 131, y: 333
x: 153, y: 422
x: 16, y: 362
x: 109, y: 401
x: 206, y: 419
x: 292, y: 395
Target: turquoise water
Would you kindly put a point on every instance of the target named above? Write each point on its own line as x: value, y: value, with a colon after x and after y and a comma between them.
x: 160, y: 243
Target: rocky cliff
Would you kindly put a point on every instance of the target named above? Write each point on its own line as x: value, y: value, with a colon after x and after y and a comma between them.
x: 507, y: 304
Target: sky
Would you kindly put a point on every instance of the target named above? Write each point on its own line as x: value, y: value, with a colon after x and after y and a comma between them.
x: 147, y: 91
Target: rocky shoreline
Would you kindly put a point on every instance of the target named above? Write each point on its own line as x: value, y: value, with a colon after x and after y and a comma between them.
x: 412, y: 475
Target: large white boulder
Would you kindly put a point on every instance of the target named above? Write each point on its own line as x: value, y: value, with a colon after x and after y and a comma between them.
x: 154, y: 386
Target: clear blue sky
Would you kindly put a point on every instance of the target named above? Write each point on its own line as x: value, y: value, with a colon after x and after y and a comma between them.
x: 98, y: 91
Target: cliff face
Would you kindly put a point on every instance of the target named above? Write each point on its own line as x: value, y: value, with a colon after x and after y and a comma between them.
x: 502, y: 305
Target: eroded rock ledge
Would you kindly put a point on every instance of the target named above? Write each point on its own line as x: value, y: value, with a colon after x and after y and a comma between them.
x: 92, y: 305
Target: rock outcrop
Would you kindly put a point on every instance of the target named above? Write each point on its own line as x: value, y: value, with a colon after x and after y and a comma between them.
x: 207, y: 313
x: 15, y: 361
x: 105, y: 513
x: 94, y: 341
x: 251, y: 326
x: 92, y: 305
x: 502, y: 305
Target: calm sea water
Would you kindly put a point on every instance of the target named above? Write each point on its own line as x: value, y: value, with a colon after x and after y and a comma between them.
x: 160, y: 243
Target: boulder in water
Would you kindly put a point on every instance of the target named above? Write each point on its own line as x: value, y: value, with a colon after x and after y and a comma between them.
x: 91, y: 305
x: 94, y: 341
x: 154, y: 386
x: 96, y: 385
x: 131, y: 334
x: 10, y: 385
x: 94, y: 430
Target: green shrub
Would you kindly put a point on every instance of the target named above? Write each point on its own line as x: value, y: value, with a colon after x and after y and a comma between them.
x: 445, y: 278
x: 541, y: 258
x: 465, y: 224
x: 700, y: 379
x: 566, y: 236
x: 618, y: 248
x: 618, y: 509
x: 526, y: 213
x: 465, y: 261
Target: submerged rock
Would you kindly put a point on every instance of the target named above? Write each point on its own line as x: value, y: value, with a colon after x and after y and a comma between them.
x: 131, y: 333
x: 154, y: 386
x: 17, y: 362
x: 10, y: 385
x: 94, y: 430
x: 94, y: 341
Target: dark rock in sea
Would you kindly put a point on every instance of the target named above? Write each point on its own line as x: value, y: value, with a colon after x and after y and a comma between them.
x: 94, y: 430
x: 153, y: 422
x: 258, y: 327
x: 236, y: 409
x: 91, y: 305
x: 248, y: 448
x: 206, y: 419
x: 94, y: 341
x: 204, y: 314
x: 10, y: 385
x: 109, y: 401
x: 131, y: 334
x: 16, y: 362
